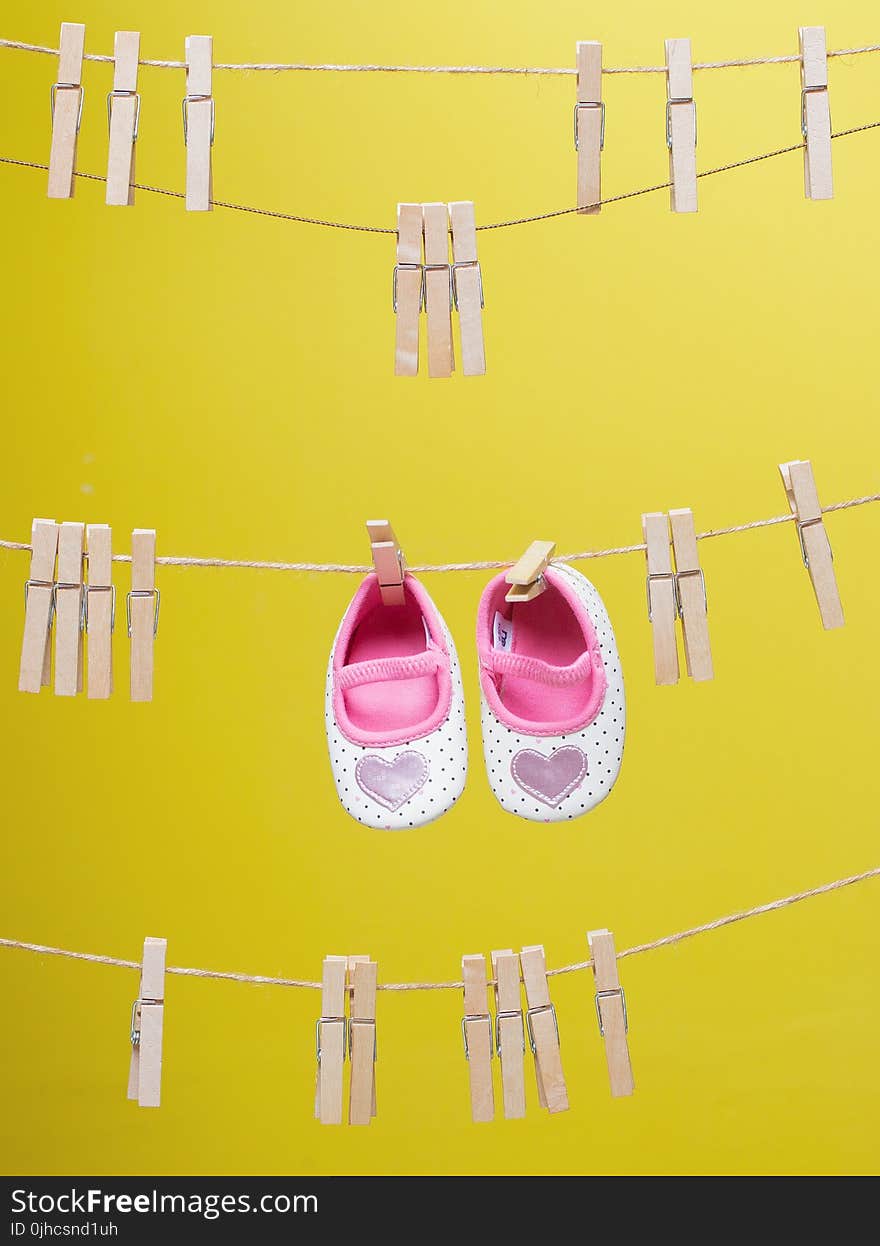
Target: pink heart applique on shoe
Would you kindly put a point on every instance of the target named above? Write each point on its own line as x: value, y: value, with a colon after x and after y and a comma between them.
x: 549, y: 779
x: 392, y: 783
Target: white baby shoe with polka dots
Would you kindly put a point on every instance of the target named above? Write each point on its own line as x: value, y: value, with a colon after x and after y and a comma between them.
x: 553, y: 710
x: 395, y: 710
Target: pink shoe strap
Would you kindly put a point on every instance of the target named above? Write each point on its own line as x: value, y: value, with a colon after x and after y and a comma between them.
x: 381, y: 669
x: 521, y: 667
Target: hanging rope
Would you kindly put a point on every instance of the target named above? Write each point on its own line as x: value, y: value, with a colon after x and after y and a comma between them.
x: 343, y: 568
x: 383, y: 229
x: 276, y: 67
x: 305, y: 983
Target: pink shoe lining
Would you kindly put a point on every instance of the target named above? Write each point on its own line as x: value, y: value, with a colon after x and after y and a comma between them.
x: 553, y: 682
x: 391, y: 683
x: 380, y: 669
x: 521, y: 667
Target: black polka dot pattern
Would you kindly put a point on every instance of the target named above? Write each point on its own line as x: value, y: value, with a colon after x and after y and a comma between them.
x: 602, y: 740
x: 444, y: 750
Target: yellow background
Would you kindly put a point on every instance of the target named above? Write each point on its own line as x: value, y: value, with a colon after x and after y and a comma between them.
x: 228, y: 380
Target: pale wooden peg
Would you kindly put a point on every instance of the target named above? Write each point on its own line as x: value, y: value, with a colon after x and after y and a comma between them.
x: 36, y: 654
x: 690, y: 586
x: 67, y: 105
x: 352, y: 961
x: 543, y: 1031
x: 589, y: 127
x: 68, y: 610
x: 143, y: 612
x: 388, y: 562
x: 124, y: 106
x: 330, y: 1041
x: 147, y: 1021
x: 198, y: 122
x: 362, y: 1042
x: 803, y: 498
x: 438, y: 289
x: 510, y: 1034
x: 99, y: 611
x: 476, y: 1028
x: 681, y: 125
x: 611, y: 1011
x: 815, y: 113
x: 408, y: 294
x: 467, y: 287
x: 662, y: 596
x: 526, y: 577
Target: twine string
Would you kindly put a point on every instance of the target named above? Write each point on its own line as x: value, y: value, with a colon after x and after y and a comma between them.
x: 746, y: 62
x: 343, y: 568
x: 577, y: 967
x: 300, y: 219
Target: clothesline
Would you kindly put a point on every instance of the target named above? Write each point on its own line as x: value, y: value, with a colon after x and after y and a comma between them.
x: 527, y: 71
x: 576, y: 967
x: 178, y: 560
x: 506, y: 224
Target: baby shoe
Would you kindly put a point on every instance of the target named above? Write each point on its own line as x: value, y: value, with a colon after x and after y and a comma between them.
x: 553, y: 710
x: 395, y: 710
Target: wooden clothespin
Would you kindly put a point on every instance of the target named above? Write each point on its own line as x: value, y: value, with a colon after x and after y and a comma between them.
x: 526, y: 577
x: 611, y: 1011
x: 362, y: 1041
x: 681, y: 125
x: 68, y: 611
x: 198, y: 122
x: 123, y: 116
x: 408, y: 289
x: 99, y: 611
x: 67, y: 104
x: 803, y: 498
x: 690, y: 585
x: 467, y: 287
x: 147, y: 1018
x: 438, y: 289
x: 330, y: 1041
x: 388, y: 561
x: 815, y: 113
x: 589, y: 127
x: 142, y: 607
x: 543, y: 1031
x: 67, y: 96
x: 39, y: 605
x: 510, y: 1033
x: 662, y: 597
x: 476, y: 1029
